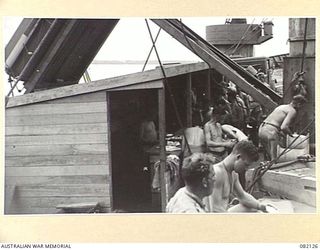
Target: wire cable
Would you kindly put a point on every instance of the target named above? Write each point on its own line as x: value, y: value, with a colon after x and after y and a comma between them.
x: 167, y: 86
x: 272, y: 162
x: 155, y: 40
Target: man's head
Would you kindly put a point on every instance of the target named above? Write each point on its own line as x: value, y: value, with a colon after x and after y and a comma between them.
x: 216, y: 113
x: 244, y: 153
x: 198, y: 173
x: 298, y: 101
x: 232, y: 96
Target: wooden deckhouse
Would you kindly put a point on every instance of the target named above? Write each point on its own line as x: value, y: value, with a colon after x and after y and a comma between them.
x: 77, y: 144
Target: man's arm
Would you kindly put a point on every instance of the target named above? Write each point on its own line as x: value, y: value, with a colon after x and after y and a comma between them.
x: 228, y: 129
x: 245, y: 198
x: 234, y: 132
x: 287, y: 121
x: 212, y: 143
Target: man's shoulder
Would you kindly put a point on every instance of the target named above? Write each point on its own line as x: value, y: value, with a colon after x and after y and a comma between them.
x: 208, y: 123
x: 285, y: 107
x: 220, y: 173
x: 181, y: 202
x: 219, y: 167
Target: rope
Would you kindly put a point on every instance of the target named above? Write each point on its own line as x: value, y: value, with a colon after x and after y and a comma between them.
x: 298, y: 74
x: 187, y: 40
x: 167, y: 86
x: 243, y: 37
x: 155, y: 40
x: 287, y: 149
x: 304, y: 44
x: 11, y: 91
x: 253, y: 33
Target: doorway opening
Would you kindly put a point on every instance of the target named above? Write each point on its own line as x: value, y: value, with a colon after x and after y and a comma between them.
x: 131, y: 177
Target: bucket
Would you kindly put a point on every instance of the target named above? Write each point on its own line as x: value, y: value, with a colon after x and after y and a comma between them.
x: 299, y: 147
x: 298, y: 141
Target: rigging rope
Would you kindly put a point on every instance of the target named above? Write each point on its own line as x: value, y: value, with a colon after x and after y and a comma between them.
x: 304, y: 44
x: 167, y: 86
x: 209, y: 77
x: 155, y: 40
x: 272, y: 162
x: 301, y: 73
x: 253, y: 33
x: 243, y: 37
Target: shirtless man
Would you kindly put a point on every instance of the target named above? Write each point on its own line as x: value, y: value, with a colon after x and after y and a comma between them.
x: 227, y: 182
x: 148, y: 133
x: 213, y: 132
x: 278, y: 124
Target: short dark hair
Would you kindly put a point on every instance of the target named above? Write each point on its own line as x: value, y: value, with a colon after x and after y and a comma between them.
x: 299, y: 99
x: 248, y: 149
x: 217, y: 111
x: 196, y: 167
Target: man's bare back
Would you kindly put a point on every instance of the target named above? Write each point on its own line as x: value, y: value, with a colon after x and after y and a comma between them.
x: 282, y: 116
x: 275, y: 125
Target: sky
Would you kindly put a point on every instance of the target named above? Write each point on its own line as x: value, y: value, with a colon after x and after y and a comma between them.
x: 130, y: 40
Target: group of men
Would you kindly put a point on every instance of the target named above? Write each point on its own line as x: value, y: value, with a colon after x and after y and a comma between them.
x: 212, y: 178
x: 206, y: 182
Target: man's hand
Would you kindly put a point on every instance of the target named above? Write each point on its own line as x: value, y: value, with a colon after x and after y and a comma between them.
x: 262, y: 208
x: 267, y: 208
x: 282, y: 134
x: 230, y: 144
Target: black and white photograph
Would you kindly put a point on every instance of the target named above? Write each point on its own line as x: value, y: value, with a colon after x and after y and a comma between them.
x: 136, y: 115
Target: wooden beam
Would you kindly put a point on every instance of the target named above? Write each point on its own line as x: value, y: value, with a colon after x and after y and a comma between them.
x: 208, y: 89
x: 59, y: 149
x: 217, y: 64
x: 59, y: 108
x: 54, y: 171
x: 99, y: 190
x: 106, y: 84
x: 148, y: 85
x: 27, y: 162
x: 109, y: 165
x: 90, y: 128
x: 57, y: 119
x: 56, y: 139
x: 162, y: 139
x: 58, y: 179
x: 189, y: 100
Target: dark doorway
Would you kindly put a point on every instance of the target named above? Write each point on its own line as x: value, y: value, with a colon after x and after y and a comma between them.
x: 131, y: 182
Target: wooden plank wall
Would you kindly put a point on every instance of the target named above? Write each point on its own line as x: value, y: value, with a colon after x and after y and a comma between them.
x: 56, y: 152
